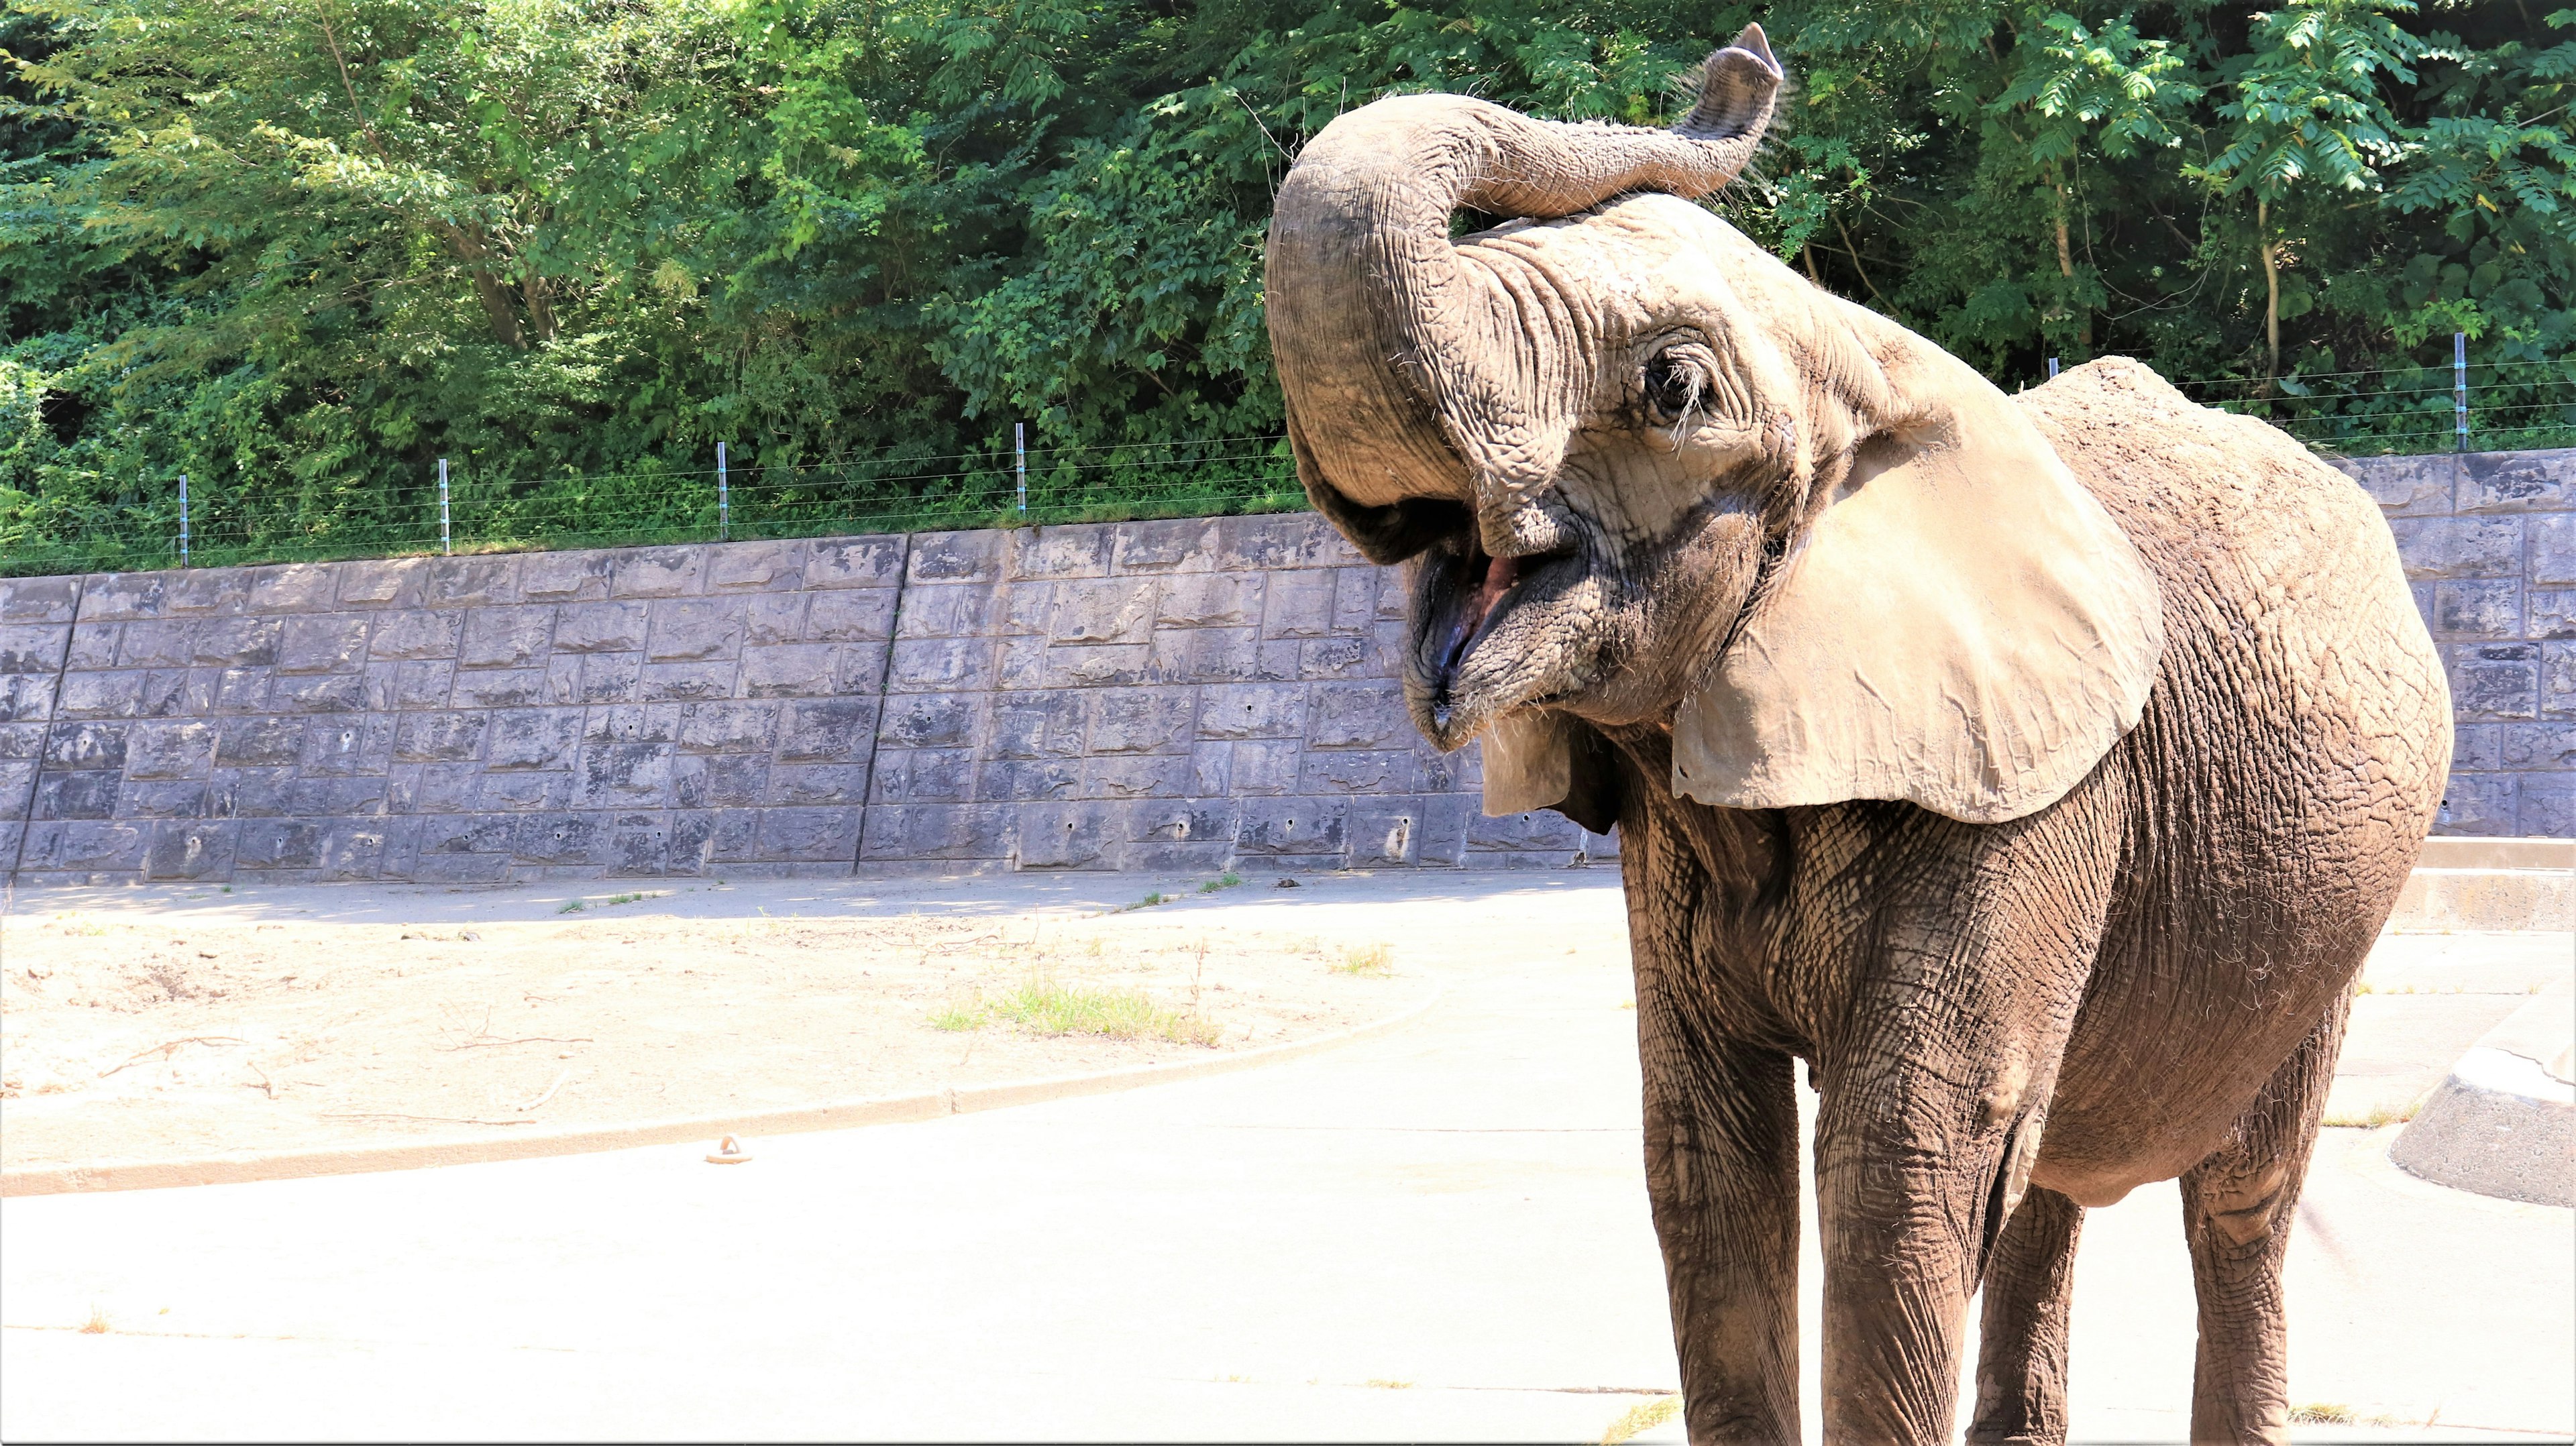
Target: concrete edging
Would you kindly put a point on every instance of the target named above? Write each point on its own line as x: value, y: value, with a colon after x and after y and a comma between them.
x: 845, y: 1114
x: 2503, y: 1123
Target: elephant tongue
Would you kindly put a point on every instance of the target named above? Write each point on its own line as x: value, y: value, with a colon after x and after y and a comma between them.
x: 1500, y: 574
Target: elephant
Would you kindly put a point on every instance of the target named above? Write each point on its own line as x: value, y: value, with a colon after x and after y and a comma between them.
x: 2038, y: 769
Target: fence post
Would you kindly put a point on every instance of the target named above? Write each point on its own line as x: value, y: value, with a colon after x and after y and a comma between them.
x: 2052, y: 369
x: 183, y: 519
x: 1020, y: 452
x: 444, y: 544
x: 724, y: 499
x: 2460, y: 386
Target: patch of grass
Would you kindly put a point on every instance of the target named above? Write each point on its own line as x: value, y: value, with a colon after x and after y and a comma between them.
x: 2370, y: 1119
x: 1391, y: 1385
x: 1641, y: 1417
x: 574, y: 907
x: 1225, y: 880
x: 2323, y: 1413
x: 1373, y: 961
x: 1047, y: 1008
x: 96, y: 1325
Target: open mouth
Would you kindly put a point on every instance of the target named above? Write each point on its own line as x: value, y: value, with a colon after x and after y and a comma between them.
x: 1490, y: 578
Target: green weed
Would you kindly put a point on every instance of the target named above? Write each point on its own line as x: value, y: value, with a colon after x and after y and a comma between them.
x: 1643, y: 1416
x: 1373, y: 961
x: 1049, y: 1009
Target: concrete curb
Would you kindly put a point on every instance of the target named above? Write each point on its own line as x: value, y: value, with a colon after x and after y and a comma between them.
x: 2477, y: 885
x: 898, y: 1109
x: 2504, y: 1122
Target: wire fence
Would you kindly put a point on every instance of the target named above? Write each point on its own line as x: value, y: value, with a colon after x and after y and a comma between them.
x: 210, y: 521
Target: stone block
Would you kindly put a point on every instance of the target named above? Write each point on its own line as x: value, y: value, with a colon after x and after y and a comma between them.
x: 1180, y: 545
x: 201, y: 849
x: 207, y: 592
x: 2558, y: 679
x: 2477, y: 747
x: 237, y: 642
x: 565, y: 577
x: 319, y: 693
x: 2457, y: 547
x: 791, y: 670
x: 22, y: 740
x: 89, y: 793
x: 561, y: 838
x: 1103, y: 610
x: 924, y: 775
x: 1335, y: 770
x: 1359, y: 715
x: 769, y: 566
x: 1021, y: 664
x: 469, y: 834
x: 1263, y: 767
x: 177, y: 693
x: 1211, y: 770
x: 1137, y: 776
x: 2496, y: 681
x: 728, y: 727
x: 638, y: 845
x: 86, y: 745
x: 933, y: 720
x: 2553, y: 550
x: 319, y: 643
x: 1538, y: 830
x: 2477, y: 609
x: 1298, y: 604
x: 2553, y: 613
x: 1143, y: 720
x: 1325, y: 659
x: 301, y: 588
x: 460, y: 869
x: 700, y: 841
x: 1077, y: 550
x: 951, y: 832
x: 1204, y: 655
x: 1210, y: 600
x: 958, y: 556
x: 392, y: 583
x: 2539, y: 481
x: 253, y: 742
x: 832, y: 731
x: 1198, y: 821
x: 83, y: 846
x: 2549, y: 746
x: 2548, y: 806
x: 833, y: 563
x: 34, y: 647
x: 347, y: 745
x: 422, y: 685
x: 775, y: 617
x: 624, y: 775
x: 94, y: 646
x: 484, y: 581
x: 632, y: 723
x: 166, y: 798
x: 503, y: 688
x: 1275, y: 543
x: 505, y: 637
x: 1386, y: 832
x: 170, y: 749
x: 158, y: 643
x: 721, y: 780
x: 39, y: 599
x: 610, y: 678
x: 807, y: 835
x: 600, y: 627
x: 860, y: 669
x: 534, y: 738
x: 1027, y: 780
x: 659, y: 572
x: 1442, y: 839
x: 808, y: 784
x: 524, y: 792
x: 1037, y: 725
x: 1101, y: 666
x: 857, y: 616
x: 688, y: 682
x: 695, y: 630
x: 416, y: 633
x: 926, y: 663
x: 2480, y: 803
x: 440, y: 737
x: 122, y: 596
x: 329, y: 797
x: 100, y: 695
x: 1064, y: 836
x: 26, y: 698
x: 2404, y: 486
x: 1301, y: 827
x: 1355, y: 592
x: 951, y: 610
x: 250, y: 792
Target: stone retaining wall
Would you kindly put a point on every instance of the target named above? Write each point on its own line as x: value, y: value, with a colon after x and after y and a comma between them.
x: 1171, y: 696
x: 2489, y: 540
x: 1177, y: 697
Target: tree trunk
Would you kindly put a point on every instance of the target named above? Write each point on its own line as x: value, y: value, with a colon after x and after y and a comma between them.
x: 468, y: 248
x: 2066, y: 268
x: 2271, y: 287
x: 541, y: 309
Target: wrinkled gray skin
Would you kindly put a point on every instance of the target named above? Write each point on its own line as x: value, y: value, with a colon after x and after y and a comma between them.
x: 1596, y: 434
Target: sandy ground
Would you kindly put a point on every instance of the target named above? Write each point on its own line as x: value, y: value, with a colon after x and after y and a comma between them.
x: 131, y: 1033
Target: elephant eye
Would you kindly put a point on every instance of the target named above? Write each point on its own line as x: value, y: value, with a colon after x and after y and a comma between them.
x: 1672, y: 386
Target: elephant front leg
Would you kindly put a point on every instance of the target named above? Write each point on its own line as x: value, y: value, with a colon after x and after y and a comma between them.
x: 2236, y: 1212
x: 2021, y: 1365
x: 1722, y: 1175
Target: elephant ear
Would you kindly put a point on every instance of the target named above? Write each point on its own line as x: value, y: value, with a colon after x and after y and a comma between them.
x: 1543, y: 759
x: 1962, y: 626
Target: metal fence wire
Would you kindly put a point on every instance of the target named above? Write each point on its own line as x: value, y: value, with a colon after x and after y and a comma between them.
x: 204, y: 520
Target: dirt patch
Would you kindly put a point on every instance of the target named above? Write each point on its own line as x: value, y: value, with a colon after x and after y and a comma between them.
x: 146, y: 1037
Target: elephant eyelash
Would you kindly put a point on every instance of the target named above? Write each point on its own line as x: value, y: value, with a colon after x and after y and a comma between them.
x: 1660, y: 376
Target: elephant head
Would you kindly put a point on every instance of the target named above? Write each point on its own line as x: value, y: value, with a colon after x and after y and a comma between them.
x: 1653, y: 478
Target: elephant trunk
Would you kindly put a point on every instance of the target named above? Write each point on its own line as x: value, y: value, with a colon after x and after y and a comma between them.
x: 1384, y: 338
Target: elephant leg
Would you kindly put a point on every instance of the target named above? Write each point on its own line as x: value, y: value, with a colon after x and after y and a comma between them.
x: 2021, y: 1365
x: 2236, y: 1211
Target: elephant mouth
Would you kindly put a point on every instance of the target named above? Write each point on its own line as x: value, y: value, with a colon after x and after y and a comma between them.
x: 1474, y: 639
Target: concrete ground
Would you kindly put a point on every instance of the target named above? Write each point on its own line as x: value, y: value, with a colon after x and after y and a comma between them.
x: 1438, y: 1233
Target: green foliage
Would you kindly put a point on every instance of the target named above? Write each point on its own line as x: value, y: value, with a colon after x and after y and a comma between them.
x: 300, y: 252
